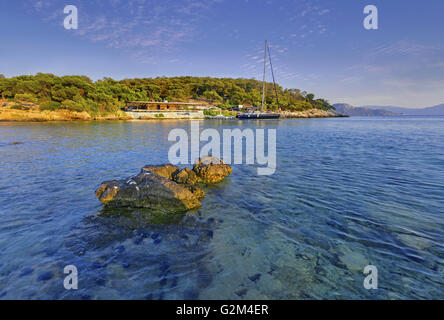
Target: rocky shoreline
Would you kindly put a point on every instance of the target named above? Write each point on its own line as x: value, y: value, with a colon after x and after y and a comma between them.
x: 311, y: 113
x: 37, y: 115
x: 34, y: 114
x: 65, y: 115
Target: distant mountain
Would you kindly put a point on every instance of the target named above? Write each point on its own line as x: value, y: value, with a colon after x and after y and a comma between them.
x: 429, y: 111
x: 349, y: 110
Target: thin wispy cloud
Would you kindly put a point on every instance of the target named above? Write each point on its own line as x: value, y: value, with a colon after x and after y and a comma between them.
x: 136, y: 25
x: 404, y: 48
x: 403, y: 68
x: 254, y: 66
x: 307, y: 18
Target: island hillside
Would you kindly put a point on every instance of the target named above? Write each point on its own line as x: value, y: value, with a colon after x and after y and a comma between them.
x: 50, y: 97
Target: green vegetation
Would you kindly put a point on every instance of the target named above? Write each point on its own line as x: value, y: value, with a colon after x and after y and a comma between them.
x: 50, y: 105
x: 79, y: 93
x: 19, y: 107
x: 160, y: 115
x: 211, y: 113
x: 214, y: 113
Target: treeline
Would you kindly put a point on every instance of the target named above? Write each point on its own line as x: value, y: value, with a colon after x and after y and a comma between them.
x: 79, y: 93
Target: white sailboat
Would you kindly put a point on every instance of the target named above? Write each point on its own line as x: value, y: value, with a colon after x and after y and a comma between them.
x: 261, y: 114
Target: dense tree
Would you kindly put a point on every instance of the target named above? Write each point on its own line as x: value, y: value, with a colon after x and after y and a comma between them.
x: 79, y: 93
x: 212, y: 96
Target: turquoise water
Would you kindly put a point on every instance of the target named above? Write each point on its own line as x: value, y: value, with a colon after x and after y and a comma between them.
x: 347, y: 192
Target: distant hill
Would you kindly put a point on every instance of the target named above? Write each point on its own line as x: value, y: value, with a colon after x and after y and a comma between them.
x: 429, y: 111
x: 349, y: 110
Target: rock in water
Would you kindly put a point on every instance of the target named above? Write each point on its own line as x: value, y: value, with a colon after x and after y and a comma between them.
x: 164, y: 188
x: 211, y: 169
x: 163, y: 170
x: 185, y: 176
x: 148, y: 190
x: 198, y: 192
x: 188, y: 178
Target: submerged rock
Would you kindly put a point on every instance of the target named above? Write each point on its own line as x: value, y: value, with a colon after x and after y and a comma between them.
x: 26, y: 271
x: 148, y: 190
x: 191, y: 294
x: 45, y: 276
x: 241, y: 292
x: 354, y: 260
x: 211, y: 169
x: 414, y: 241
x: 255, y: 277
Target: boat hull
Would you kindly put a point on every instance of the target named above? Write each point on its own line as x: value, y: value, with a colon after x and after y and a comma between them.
x: 257, y: 115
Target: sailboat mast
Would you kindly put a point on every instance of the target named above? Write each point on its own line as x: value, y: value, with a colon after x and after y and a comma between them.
x: 272, y: 73
x: 263, y: 85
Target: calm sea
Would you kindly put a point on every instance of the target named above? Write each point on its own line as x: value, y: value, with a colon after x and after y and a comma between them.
x: 347, y: 193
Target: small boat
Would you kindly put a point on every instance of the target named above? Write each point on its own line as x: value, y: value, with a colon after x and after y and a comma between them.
x: 261, y: 114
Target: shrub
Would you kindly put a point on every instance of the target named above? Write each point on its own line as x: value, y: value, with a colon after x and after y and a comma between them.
x: 211, y: 113
x: 224, y: 106
x: 50, y: 105
x: 26, y: 97
x: 19, y: 107
x: 72, y: 106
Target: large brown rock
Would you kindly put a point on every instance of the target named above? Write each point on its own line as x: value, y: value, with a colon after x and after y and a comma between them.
x: 211, y: 169
x: 163, y: 170
x: 188, y: 179
x: 199, y: 193
x: 148, y: 190
x: 164, y: 188
x: 185, y: 176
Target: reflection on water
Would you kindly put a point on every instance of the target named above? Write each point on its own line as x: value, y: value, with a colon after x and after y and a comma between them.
x: 346, y: 193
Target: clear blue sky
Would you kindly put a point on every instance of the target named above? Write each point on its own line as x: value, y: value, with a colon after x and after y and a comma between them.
x: 317, y: 46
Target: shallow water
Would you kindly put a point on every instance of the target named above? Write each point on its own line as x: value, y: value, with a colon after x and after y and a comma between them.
x: 347, y: 192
